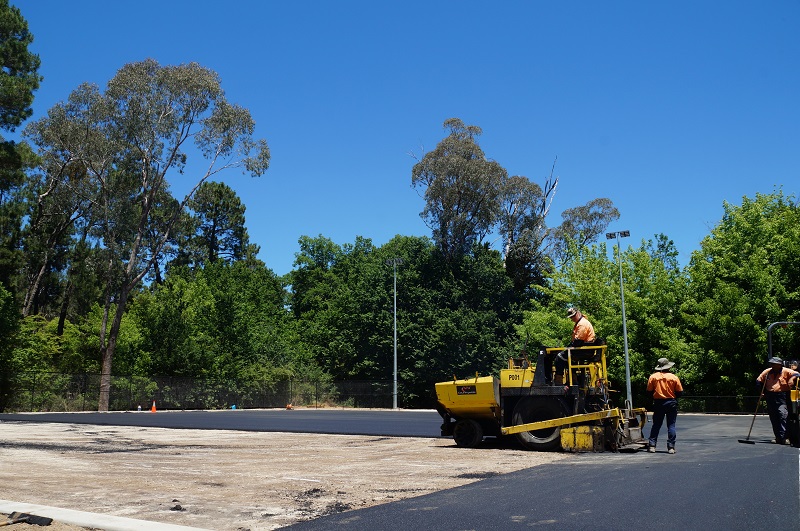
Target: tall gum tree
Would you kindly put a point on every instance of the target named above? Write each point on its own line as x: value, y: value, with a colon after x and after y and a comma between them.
x: 461, y: 188
x: 524, y: 209
x: 141, y: 133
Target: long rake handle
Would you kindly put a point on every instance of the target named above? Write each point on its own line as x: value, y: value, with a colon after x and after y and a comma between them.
x: 763, y: 386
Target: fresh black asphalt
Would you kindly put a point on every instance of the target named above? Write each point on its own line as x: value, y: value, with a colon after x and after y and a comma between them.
x: 712, y: 482
x: 408, y: 423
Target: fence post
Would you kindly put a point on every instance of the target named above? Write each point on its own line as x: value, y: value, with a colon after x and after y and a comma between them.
x: 33, y: 390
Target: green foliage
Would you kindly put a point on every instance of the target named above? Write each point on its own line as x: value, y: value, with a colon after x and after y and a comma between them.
x: 462, y: 189
x: 15, y: 159
x: 582, y: 224
x: 468, y: 196
x: 8, y: 334
x: 223, y: 321
x: 18, y: 81
x: 115, y: 151
x: 40, y: 346
x: 178, y: 320
x: 96, y: 218
x: 452, y: 316
x: 18, y: 75
x: 220, y: 225
x: 37, y: 347
x: 523, y: 208
x: 745, y: 276
x: 589, y: 279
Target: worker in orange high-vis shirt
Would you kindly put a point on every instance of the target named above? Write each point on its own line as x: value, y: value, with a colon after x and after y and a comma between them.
x: 582, y: 335
x: 775, y: 383
x: 666, y: 389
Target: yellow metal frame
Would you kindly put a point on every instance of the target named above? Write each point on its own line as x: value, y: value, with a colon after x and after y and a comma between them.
x: 615, y: 413
x: 597, y: 369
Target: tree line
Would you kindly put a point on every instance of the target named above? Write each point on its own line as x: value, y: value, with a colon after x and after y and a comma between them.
x: 104, y: 270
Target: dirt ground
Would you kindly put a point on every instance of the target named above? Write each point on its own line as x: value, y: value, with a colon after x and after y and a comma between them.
x: 230, y: 480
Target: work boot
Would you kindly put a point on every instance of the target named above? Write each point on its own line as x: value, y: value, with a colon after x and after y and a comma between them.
x: 787, y: 442
x: 671, y: 451
x: 651, y: 449
x: 559, y: 379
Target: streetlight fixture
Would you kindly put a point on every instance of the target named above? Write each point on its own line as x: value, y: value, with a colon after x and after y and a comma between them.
x: 610, y: 236
x: 394, y: 262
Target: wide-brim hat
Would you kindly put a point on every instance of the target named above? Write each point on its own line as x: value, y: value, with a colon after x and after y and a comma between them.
x: 775, y: 360
x: 664, y: 364
x: 571, y: 312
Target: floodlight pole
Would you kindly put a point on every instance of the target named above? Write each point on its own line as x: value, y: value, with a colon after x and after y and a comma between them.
x: 394, y: 262
x: 769, y: 333
x: 624, y: 234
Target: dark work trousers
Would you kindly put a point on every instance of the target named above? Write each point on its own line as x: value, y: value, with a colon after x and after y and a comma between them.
x: 778, y: 413
x: 667, y: 407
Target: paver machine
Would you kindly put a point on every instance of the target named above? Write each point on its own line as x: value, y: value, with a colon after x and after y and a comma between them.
x: 575, y: 415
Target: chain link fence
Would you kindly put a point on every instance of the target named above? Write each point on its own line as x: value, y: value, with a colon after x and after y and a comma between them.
x: 37, y: 391
x: 41, y: 391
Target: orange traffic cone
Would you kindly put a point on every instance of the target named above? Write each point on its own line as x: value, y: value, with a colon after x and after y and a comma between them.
x: 153, y: 409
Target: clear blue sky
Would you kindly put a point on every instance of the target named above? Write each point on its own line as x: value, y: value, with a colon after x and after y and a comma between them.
x: 666, y: 108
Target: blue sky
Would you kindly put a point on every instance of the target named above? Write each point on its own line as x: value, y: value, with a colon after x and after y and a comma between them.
x: 667, y: 108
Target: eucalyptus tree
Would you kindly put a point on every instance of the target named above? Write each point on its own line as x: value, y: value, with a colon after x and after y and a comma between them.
x: 468, y: 197
x: 582, y: 224
x: 524, y: 209
x: 142, y: 132
x: 60, y: 207
x: 461, y: 189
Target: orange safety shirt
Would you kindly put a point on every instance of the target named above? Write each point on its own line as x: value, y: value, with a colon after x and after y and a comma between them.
x: 583, y: 330
x: 664, y: 385
x: 778, y: 381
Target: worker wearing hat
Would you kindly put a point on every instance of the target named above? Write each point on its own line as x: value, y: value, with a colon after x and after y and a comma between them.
x: 774, y: 384
x: 582, y: 335
x: 666, y: 389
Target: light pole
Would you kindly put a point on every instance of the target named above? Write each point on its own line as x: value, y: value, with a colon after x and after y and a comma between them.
x: 609, y: 236
x: 394, y: 262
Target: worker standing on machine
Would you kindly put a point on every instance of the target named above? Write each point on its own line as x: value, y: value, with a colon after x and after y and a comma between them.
x: 776, y: 382
x: 666, y: 388
x: 582, y: 334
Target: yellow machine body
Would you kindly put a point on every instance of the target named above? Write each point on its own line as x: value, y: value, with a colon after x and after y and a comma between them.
x: 573, y: 414
x: 475, y: 398
x: 516, y: 378
x: 583, y: 439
